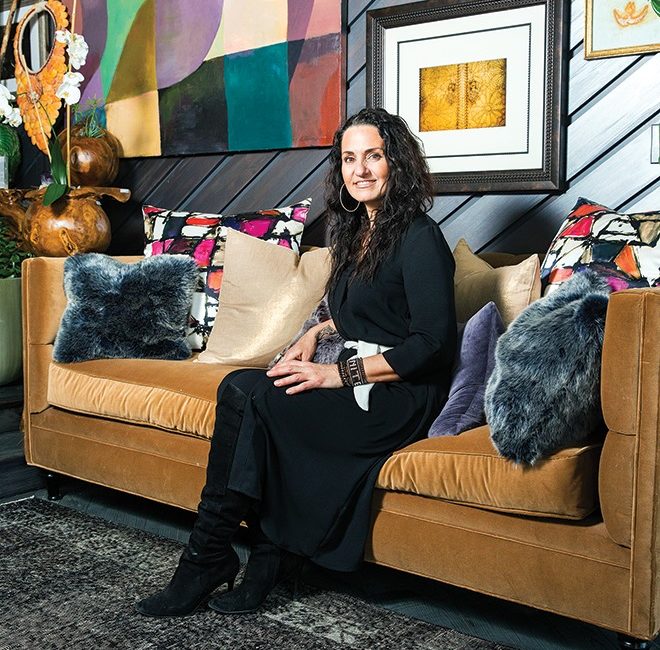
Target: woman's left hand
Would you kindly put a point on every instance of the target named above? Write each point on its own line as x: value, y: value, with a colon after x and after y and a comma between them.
x: 305, y: 375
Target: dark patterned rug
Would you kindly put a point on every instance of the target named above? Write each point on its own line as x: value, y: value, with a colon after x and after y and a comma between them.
x: 69, y: 580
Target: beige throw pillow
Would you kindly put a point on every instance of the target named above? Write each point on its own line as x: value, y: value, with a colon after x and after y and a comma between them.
x: 476, y: 283
x: 267, y: 293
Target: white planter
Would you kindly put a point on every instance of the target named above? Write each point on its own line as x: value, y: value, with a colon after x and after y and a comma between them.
x: 11, y: 346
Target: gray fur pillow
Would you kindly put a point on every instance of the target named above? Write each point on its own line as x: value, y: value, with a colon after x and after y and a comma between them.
x: 544, y: 392
x: 328, y: 349
x: 125, y: 311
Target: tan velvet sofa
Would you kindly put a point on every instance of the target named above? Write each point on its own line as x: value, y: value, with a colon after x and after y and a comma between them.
x: 578, y: 534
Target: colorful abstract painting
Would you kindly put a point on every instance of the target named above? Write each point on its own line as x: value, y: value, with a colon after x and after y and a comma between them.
x: 203, y: 76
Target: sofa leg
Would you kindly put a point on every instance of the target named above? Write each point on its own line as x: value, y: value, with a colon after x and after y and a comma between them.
x: 53, y: 486
x: 630, y: 643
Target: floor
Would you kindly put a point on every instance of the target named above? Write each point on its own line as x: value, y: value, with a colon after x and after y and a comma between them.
x: 482, y: 616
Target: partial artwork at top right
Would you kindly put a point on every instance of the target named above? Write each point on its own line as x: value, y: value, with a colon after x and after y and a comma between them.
x: 620, y: 27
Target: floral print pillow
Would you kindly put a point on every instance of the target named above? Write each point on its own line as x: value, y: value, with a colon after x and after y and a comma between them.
x: 202, y: 236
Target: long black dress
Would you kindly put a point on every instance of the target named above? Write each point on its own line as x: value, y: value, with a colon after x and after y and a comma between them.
x: 312, y: 458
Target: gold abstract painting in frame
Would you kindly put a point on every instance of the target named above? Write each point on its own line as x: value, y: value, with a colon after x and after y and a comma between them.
x: 482, y: 85
x: 621, y: 27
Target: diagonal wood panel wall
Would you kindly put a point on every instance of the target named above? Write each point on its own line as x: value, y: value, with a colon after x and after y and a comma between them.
x: 612, y: 104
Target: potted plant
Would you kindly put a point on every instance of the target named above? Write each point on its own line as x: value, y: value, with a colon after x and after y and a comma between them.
x: 11, y: 256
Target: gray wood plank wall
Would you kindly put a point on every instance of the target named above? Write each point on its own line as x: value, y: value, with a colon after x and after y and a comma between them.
x: 612, y: 104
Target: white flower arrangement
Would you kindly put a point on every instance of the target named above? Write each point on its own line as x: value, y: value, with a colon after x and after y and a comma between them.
x: 9, y: 114
x: 77, y: 50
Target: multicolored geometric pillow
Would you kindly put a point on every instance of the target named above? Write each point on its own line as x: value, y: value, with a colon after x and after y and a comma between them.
x: 623, y: 248
x: 202, y: 236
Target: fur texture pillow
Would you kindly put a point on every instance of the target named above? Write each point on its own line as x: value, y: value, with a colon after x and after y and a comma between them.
x: 126, y: 311
x: 329, y: 348
x: 544, y: 392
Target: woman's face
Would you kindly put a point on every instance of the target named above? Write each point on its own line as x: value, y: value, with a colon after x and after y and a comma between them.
x: 364, y: 168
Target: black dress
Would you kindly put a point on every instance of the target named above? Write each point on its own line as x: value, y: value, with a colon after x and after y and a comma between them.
x: 312, y: 459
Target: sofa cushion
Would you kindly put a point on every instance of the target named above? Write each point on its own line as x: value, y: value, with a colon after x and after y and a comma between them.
x: 118, y: 310
x: 173, y: 395
x: 623, y: 248
x: 268, y: 292
x: 473, y: 365
x: 202, y: 236
x: 467, y: 469
x: 476, y: 282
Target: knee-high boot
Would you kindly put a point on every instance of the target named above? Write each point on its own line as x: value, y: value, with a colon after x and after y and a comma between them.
x: 208, y: 561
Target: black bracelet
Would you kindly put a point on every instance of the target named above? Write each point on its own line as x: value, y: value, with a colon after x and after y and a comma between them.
x: 357, y: 375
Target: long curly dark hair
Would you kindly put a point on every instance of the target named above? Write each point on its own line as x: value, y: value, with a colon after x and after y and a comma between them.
x: 409, y: 189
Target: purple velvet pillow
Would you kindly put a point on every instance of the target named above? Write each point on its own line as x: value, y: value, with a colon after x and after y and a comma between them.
x: 475, y: 360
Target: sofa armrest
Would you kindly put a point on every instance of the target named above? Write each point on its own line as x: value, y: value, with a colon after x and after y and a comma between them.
x: 629, y: 476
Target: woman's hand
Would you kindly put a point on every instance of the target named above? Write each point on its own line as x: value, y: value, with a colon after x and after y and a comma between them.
x: 303, y: 349
x: 304, y: 375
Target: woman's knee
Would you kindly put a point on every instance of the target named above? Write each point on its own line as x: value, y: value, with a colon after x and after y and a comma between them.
x: 244, y: 379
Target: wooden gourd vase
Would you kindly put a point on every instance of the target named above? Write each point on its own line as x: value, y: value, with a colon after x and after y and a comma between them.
x: 76, y: 223
x: 94, y: 160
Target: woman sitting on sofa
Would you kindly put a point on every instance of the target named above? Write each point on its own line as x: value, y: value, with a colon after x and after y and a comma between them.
x: 297, y: 449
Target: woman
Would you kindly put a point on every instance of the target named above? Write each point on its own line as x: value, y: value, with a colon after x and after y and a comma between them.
x: 297, y: 450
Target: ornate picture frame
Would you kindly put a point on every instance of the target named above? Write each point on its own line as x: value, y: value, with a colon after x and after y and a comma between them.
x: 482, y: 84
x: 618, y: 28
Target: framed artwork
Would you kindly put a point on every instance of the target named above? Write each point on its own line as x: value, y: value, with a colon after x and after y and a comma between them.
x: 38, y: 39
x: 482, y: 84
x: 207, y: 76
x: 619, y: 27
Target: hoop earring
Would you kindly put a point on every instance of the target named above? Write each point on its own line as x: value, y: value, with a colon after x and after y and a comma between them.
x: 341, y: 189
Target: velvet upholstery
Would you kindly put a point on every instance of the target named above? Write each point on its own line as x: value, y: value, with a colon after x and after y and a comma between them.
x: 571, y: 569
x: 467, y: 469
x: 174, y: 395
x: 574, y: 568
x: 631, y: 398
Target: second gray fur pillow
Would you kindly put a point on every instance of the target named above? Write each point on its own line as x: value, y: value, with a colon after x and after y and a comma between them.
x: 544, y: 392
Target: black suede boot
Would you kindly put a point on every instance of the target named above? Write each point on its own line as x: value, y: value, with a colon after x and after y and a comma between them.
x: 206, y: 563
x: 209, y: 559
x: 267, y: 566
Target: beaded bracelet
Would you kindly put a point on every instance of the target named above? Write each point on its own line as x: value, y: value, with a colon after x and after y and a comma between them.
x: 356, y: 371
x: 344, y: 375
x: 351, y: 372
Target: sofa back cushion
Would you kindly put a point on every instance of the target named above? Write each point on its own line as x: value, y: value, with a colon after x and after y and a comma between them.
x: 267, y: 293
x: 476, y: 282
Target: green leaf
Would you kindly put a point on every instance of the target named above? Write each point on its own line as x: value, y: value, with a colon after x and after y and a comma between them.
x: 656, y: 6
x: 53, y: 192
x: 57, y: 166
